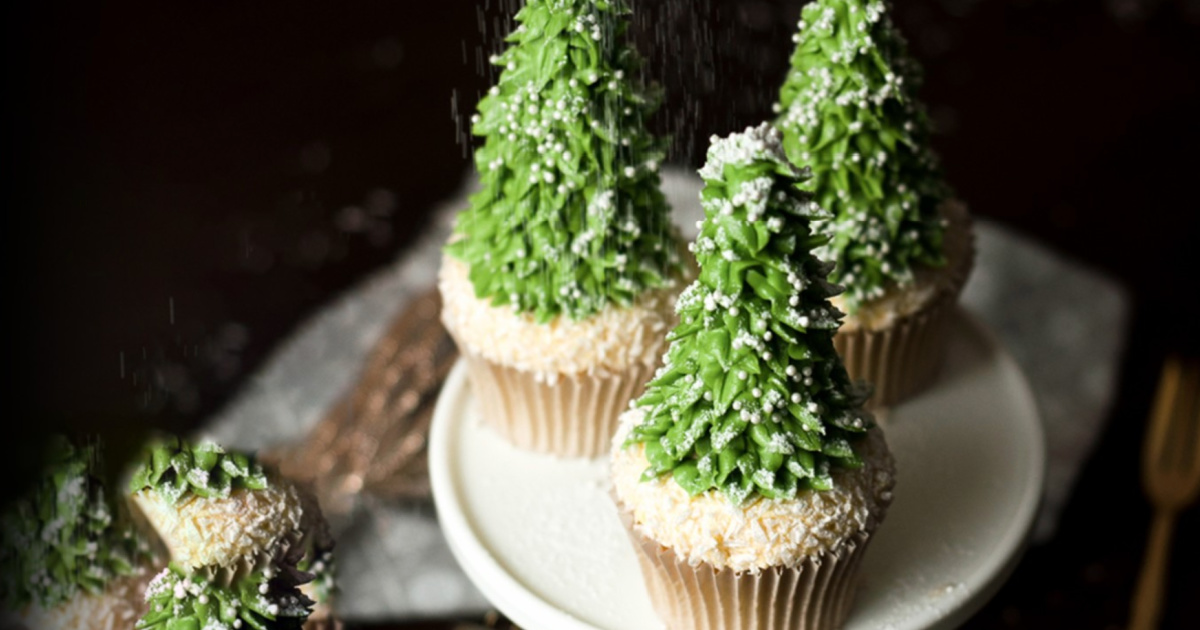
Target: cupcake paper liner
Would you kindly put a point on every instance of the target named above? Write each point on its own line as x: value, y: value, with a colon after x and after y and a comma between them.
x: 814, y: 595
x: 574, y: 417
x: 905, y: 357
x: 901, y: 360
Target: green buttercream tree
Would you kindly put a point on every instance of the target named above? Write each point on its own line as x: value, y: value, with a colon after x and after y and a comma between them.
x: 752, y: 397
x: 847, y: 111
x: 65, y: 535
x: 570, y: 217
x: 264, y: 599
x: 174, y: 468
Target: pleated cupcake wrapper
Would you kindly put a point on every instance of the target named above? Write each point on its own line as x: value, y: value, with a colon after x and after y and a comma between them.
x: 904, y: 358
x: 901, y: 360
x: 814, y: 595
x: 576, y: 416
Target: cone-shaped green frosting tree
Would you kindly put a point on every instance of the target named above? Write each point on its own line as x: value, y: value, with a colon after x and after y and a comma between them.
x: 752, y: 397
x: 847, y: 111
x: 64, y: 536
x: 570, y: 217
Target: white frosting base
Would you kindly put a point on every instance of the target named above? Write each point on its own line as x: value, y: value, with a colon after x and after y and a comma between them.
x: 762, y: 533
x: 929, y: 283
x: 223, y: 532
x: 117, y: 608
x: 606, y: 343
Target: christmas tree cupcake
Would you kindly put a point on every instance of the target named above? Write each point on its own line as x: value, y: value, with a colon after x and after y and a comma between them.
x: 235, y: 533
x: 749, y: 475
x: 71, y: 560
x: 902, y: 245
x: 559, y: 280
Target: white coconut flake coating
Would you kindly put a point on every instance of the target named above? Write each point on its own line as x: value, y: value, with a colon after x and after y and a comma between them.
x: 609, y: 342
x: 117, y: 608
x: 929, y: 283
x: 223, y: 532
x: 762, y: 533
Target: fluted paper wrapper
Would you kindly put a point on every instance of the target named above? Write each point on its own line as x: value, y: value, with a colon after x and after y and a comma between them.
x: 904, y: 358
x: 901, y: 360
x: 575, y: 416
x: 814, y: 595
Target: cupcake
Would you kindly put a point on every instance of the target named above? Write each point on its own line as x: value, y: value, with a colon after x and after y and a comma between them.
x: 559, y: 280
x: 235, y: 536
x: 901, y: 244
x: 748, y: 474
x: 71, y: 559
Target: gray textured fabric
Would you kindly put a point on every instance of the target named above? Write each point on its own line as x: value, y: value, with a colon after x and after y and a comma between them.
x: 1064, y: 323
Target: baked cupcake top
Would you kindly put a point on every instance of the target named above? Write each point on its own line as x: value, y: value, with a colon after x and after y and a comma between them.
x: 762, y: 532
x: 212, y: 508
x: 119, y: 606
x: 607, y: 342
x: 570, y: 217
x: 65, y: 540
x: 750, y: 448
x: 848, y: 112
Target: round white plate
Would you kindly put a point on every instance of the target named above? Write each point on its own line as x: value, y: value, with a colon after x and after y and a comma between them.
x: 541, y: 538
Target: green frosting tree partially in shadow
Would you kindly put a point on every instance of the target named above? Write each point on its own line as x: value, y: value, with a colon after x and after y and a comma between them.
x: 847, y: 111
x: 571, y: 217
x: 752, y: 398
x: 65, y: 535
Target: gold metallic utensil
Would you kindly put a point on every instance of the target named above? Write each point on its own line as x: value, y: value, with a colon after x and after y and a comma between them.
x: 1170, y: 475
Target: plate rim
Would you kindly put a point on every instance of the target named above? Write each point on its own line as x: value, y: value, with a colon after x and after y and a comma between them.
x: 530, y: 610
x: 513, y: 598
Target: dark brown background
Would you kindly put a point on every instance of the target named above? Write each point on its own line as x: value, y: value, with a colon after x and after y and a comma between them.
x: 185, y: 183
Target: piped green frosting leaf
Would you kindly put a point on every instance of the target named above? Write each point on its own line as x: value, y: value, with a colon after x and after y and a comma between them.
x: 570, y: 217
x: 847, y: 111
x: 174, y: 468
x: 264, y: 600
x: 752, y: 398
x: 64, y: 536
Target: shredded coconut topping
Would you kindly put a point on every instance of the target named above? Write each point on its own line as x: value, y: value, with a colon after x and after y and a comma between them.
x: 223, y: 532
x: 762, y: 533
x: 608, y: 342
x: 117, y: 608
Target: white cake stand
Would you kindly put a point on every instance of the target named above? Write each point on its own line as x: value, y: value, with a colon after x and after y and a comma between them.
x: 541, y: 538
